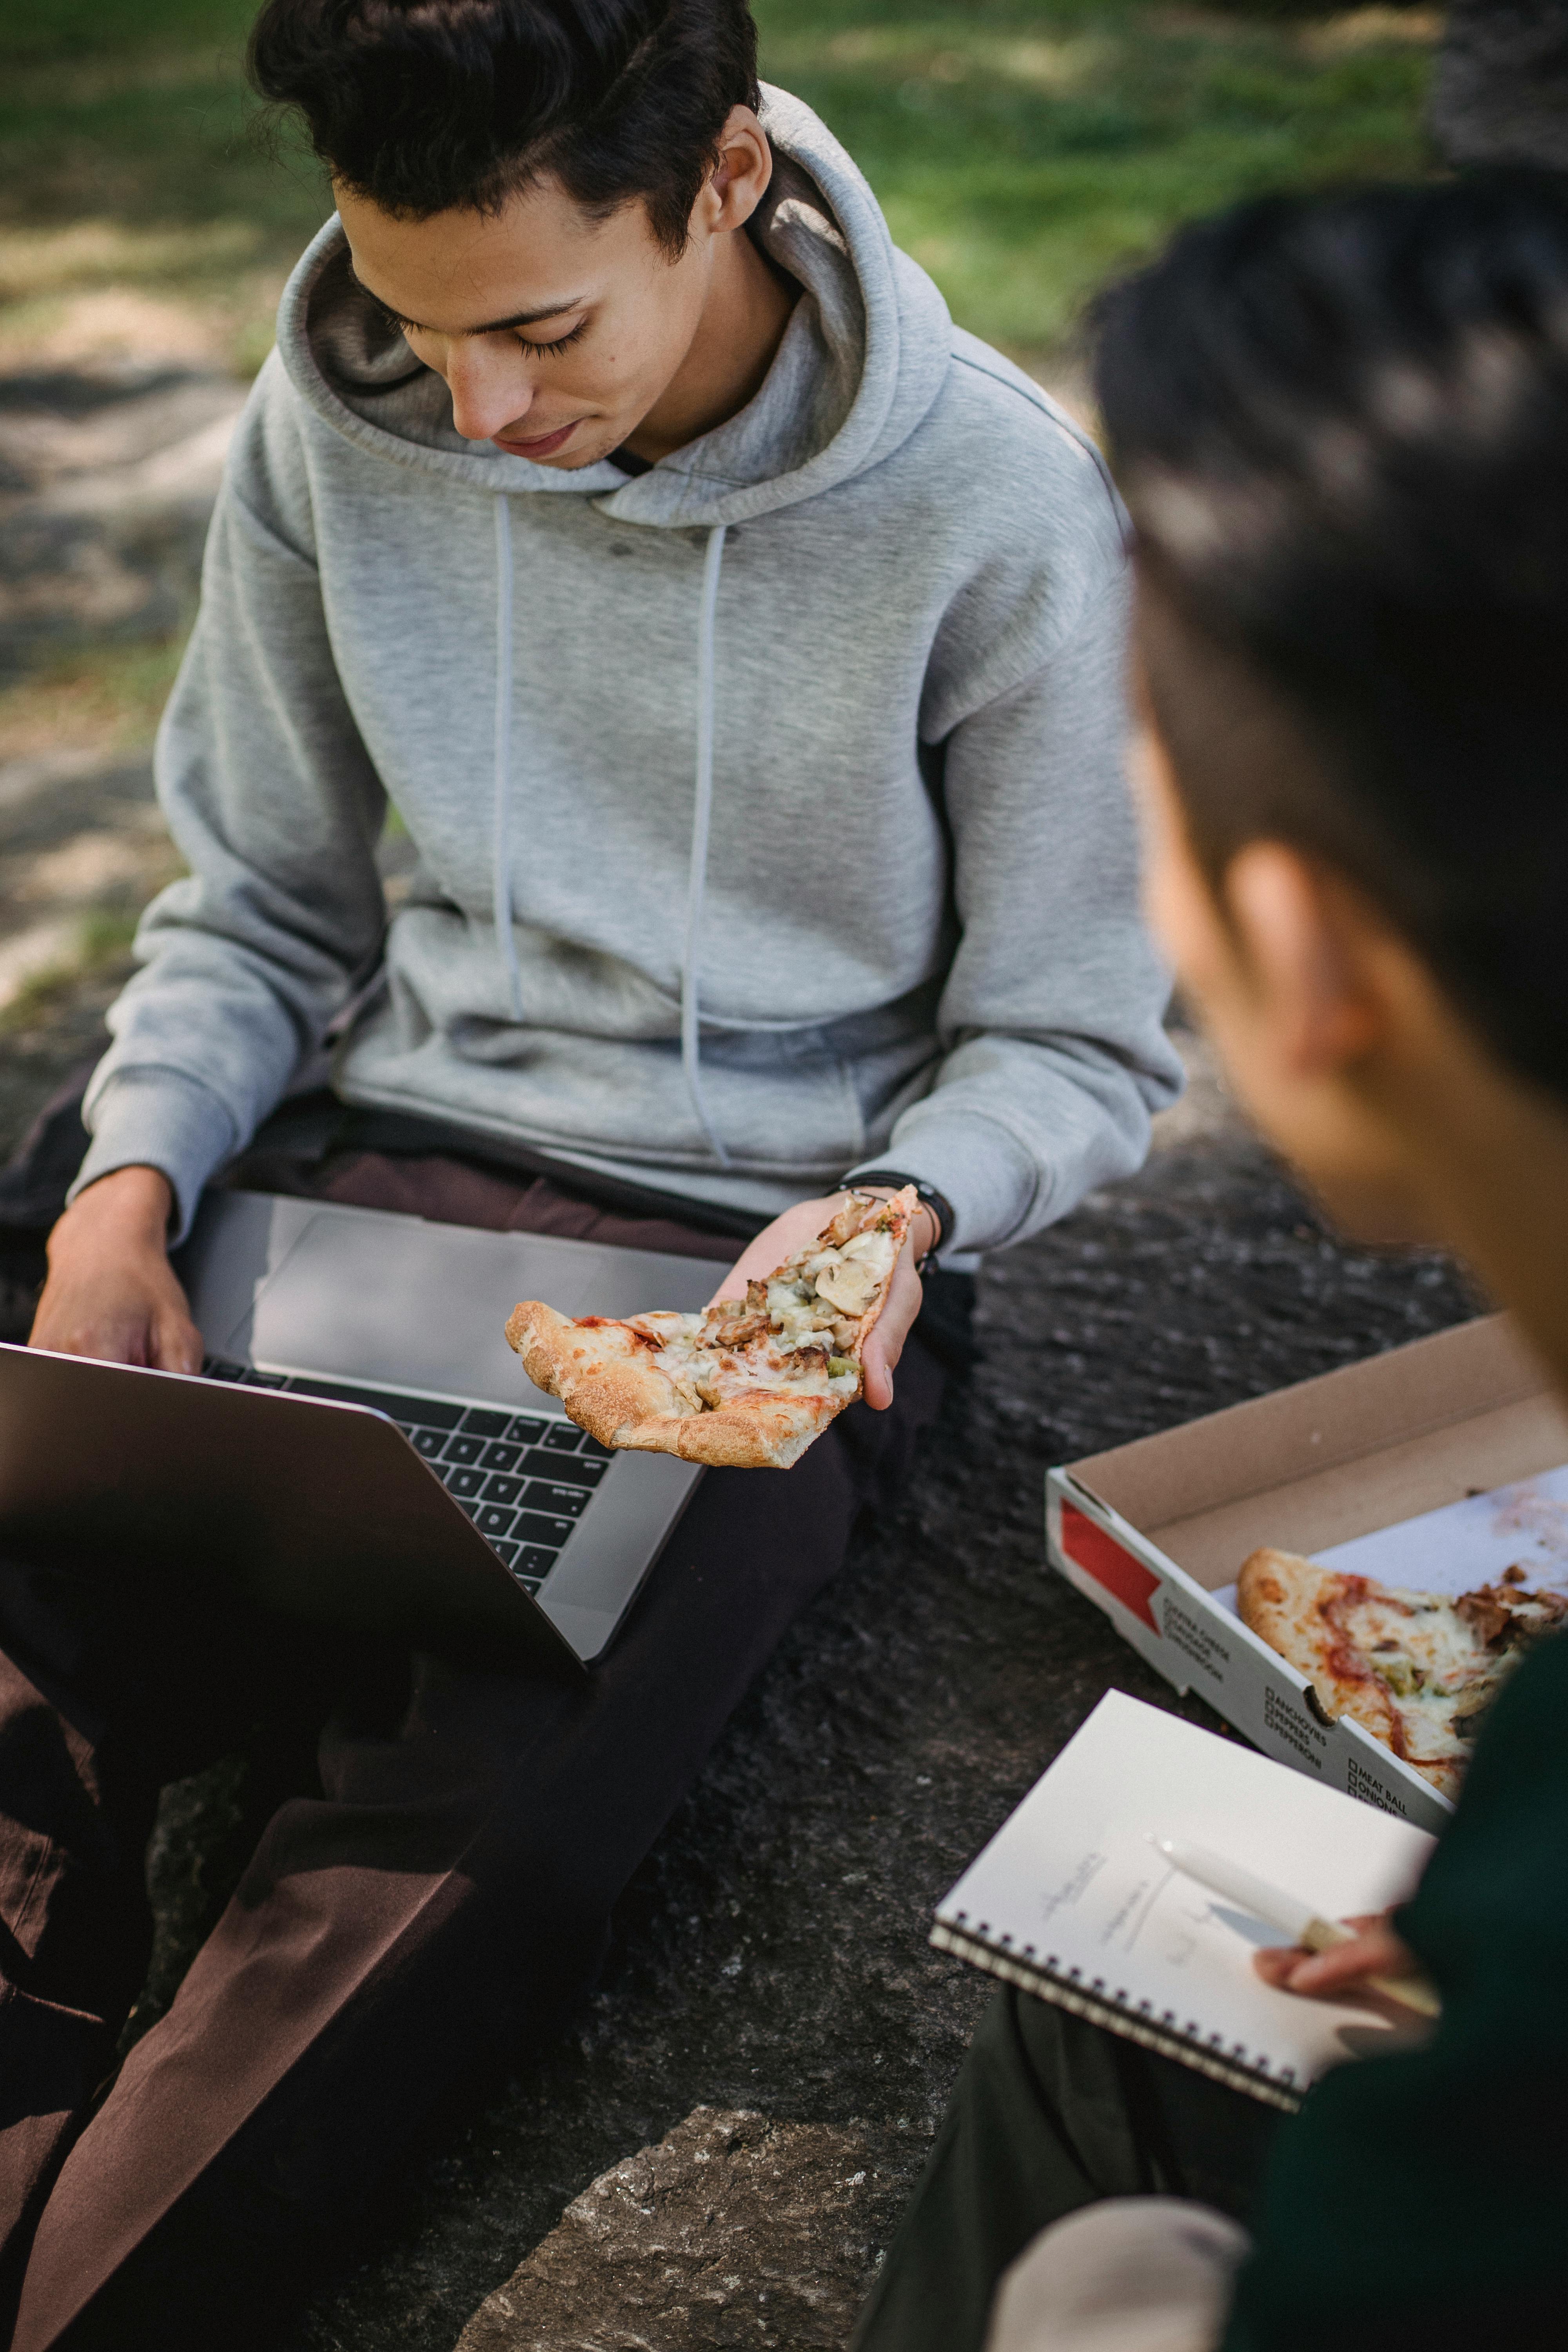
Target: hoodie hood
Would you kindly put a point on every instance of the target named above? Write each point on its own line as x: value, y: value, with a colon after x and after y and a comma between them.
x: 864, y: 356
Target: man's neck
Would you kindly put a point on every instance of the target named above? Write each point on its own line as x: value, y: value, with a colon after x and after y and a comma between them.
x: 743, y: 324
x: 1497, y: 1181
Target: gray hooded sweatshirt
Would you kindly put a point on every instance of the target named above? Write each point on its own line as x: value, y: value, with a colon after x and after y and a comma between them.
x: 769, y: 805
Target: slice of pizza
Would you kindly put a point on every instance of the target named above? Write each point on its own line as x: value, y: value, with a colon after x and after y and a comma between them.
x: 1417, y: 1670
x: 748, y: 1384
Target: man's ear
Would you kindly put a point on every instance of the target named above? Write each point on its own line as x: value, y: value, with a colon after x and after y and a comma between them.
x: 1312, y: 950
x: 739, y: 180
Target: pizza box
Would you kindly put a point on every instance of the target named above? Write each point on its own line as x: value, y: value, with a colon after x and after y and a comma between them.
x: 1154, y: 1532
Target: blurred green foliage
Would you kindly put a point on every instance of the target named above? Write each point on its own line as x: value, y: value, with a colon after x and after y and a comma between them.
x: 1022, y: 148
x: 1022, y: 151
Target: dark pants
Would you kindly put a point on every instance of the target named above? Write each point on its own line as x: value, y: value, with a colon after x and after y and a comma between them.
x: 446, y: 1886
x: 1049, y: 2114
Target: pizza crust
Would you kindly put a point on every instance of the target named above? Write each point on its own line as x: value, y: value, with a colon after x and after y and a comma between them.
x: 614, y: 1386
x: 1287, y: 1601
x: 632, y: 1384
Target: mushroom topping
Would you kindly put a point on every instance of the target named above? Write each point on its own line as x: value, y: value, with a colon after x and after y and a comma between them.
x: 850, y: 1286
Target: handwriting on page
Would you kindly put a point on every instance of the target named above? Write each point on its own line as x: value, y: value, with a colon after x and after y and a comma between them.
x: 1071, y: 1891
x: 1157, y: 1910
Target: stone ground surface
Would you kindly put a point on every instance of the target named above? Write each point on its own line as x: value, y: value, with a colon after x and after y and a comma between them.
x: 735, y: 2230
x: 1500, y: 91
x: 714, y: 2149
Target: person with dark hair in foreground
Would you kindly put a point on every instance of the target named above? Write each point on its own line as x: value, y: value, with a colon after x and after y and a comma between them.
x: 741, y: 649
x: 1342, y: 429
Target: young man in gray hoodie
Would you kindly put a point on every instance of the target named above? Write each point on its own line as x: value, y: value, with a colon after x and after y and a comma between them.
x: 739, y: 646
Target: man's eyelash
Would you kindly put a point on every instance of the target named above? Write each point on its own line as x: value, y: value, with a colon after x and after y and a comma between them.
x: 561, y: 343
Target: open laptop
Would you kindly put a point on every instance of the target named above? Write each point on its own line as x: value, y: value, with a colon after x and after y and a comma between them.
x: 362, y: 1448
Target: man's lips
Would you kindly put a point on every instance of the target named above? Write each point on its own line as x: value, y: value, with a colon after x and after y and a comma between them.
x: 544, y: 447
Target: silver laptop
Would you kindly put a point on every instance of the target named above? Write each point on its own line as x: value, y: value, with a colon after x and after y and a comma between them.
x: 364, y: 1447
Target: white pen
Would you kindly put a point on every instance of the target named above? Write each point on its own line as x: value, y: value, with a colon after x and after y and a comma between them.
x: 1295, y: 1920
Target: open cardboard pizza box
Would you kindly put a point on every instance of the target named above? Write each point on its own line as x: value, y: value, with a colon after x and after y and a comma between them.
x: 1154, y: 1531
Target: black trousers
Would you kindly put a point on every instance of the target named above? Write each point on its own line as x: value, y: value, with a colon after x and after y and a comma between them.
x: 1049, y: 2114
x: 446, y: 1886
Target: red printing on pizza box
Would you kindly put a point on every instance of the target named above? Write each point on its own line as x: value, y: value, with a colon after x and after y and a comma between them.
x: 1087, y: 1544
x: 1152, y: 1531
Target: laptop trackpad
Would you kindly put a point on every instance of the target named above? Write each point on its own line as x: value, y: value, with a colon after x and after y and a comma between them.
x: 366, y: 1297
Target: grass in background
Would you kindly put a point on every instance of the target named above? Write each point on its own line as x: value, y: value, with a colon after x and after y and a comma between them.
x: 137, y: 207
x: 109, y: 697
x: 1023, y: 148
x: 1023, y: 152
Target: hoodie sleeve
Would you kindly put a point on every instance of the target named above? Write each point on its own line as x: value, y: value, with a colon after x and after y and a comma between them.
x: 1051, y: 1020
x: 276, y: 808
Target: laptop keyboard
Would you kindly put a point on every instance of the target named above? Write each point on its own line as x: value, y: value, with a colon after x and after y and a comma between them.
x: 523, y: 1479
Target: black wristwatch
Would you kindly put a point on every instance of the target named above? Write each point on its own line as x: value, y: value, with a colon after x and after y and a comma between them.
x: 939, y: 1205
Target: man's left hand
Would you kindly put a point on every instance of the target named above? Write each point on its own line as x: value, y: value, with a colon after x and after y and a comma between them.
x: 801, y: 1224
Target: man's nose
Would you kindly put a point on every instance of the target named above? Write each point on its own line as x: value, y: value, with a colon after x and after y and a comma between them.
x: 490, y: 389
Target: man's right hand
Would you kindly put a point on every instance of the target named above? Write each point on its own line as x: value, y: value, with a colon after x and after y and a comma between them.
x: 112, y: 1291
x: 1372, y: 1950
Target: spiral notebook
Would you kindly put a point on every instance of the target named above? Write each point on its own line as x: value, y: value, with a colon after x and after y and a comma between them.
x: 1071, y: 1901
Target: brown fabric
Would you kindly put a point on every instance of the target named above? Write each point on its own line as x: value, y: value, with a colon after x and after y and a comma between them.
x: 445, y: 1886
x: 456, y: 1193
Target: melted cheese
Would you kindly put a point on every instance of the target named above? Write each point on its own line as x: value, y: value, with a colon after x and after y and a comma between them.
x: 1432, y: 1661
x: 808, y: 1298
x: 1428, y: 1632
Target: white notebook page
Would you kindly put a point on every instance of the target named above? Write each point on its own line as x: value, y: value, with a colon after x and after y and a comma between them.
x: 1071, y: 1886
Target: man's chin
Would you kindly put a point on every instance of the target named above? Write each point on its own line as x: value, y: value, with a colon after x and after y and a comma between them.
x: 574, y: 456
x: 577, y: 456
x: 575, y: 461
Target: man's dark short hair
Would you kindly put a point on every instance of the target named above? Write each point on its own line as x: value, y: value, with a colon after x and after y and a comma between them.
x: 1341, y: 427
x: 426, y: 105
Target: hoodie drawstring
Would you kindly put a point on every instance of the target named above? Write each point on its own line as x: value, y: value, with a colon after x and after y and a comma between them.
x: 701, y: 812
x: 501, y: 843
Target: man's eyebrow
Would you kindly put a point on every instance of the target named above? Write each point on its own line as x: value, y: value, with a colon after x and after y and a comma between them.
x: 490, y: 327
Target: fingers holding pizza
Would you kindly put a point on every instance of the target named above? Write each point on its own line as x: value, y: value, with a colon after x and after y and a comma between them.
x: 779, y: 1352
x: 883, y: 1344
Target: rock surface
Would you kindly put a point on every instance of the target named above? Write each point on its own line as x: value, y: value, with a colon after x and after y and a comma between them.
x: 734, y: 2231
x: 1500, y: 92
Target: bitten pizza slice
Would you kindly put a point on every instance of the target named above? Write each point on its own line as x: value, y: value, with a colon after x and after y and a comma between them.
x: 1417, y: 1670
x: 748, y: 1384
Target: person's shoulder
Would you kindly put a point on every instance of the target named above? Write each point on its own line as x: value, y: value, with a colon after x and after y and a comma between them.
x: 271, y: 414
x: 1016, y: 402
x: 267, y: 469
x: 987, y: 393
x: 1012, y: 460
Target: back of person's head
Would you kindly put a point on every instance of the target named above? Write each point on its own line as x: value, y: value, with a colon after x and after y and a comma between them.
x: 1341, y: 425
x: 424, y: 106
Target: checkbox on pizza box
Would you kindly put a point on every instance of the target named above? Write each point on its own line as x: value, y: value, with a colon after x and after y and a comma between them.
x: 1403, y: 1524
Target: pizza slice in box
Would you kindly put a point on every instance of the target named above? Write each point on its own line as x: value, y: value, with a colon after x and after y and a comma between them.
x: 749, y: 1383
x: 1417, y: 1670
